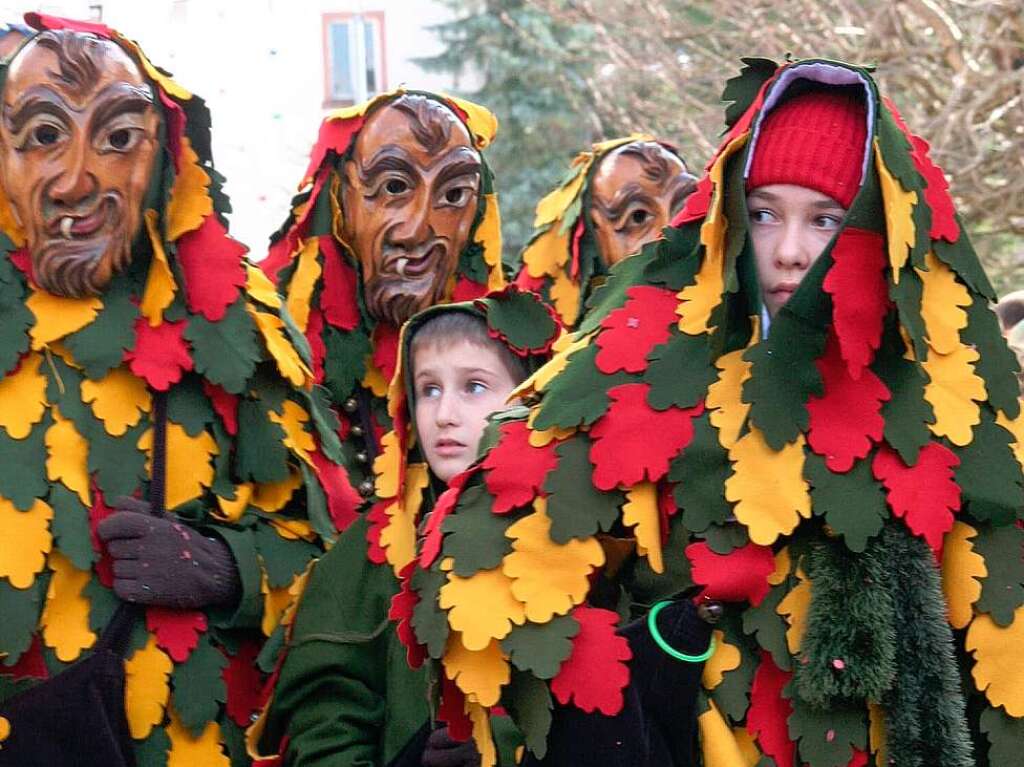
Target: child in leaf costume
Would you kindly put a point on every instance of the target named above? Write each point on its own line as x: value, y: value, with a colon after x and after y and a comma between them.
x: 614, y: 199
x: 397, y: 212
x: 836, y: 461
x: 345, y: 693
x: 129, y: 313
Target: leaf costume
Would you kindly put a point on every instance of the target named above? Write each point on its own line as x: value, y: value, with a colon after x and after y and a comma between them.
x: 251, y: 453
x: 848, y: 484
x: 353, y: 355
x: 345, y: 692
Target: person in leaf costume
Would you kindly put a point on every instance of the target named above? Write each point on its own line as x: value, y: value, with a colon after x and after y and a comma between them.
x: 614, y: 199
x: 397, y: 212
x: 836, y: 461
x: 345, y: 693
x: 131, y: 317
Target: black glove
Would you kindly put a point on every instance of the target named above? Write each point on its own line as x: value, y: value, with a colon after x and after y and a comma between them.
x: 443, y: 751
x: 158, y: 561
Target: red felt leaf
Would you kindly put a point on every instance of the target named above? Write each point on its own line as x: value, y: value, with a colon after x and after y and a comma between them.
x: 635, y: 328
x: 468, y: 290
x: 769, y: 712
x: 860, y: 295
x: 31, y: 664
x: 515, y: 469
x: 452, y: 711
x: 925, y: 495
x: 340, y: 287
x: 97, y: 513
x: 244, y: 684
x: 335, y: 136
x: 859, y: 758
x: 213, y: 268
x: 385, y: 349
x: 739, y: 576
x: 177, y: 631
x: 432, y: 536
x: 402, y: 605
x: 626, y: 448
x: 343, y: 501
x: 377, y: 519
x: 174, y: 119
x: 524, y: 281
x: 574, y: 248
x: 225, y: 404
x: 595, y: 673
x: 278, y: 255
x: 317, y: 348
x: 161, y: 354
x: 667, y: 507
x: 697, y: 203
x: 22, y: 261
x: 847, y: 419
x: 46, y: 21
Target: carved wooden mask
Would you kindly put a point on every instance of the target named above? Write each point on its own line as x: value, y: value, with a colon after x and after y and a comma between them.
x: 635, y: 192
x: 78, y: 137
x: 409, y: 196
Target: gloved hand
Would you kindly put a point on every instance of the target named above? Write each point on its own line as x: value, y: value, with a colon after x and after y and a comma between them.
x: 158, y: 561
x: 443, y: 751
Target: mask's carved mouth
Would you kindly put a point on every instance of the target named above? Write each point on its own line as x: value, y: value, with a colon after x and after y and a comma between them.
x: 413, y: 264
x: 81, y: 224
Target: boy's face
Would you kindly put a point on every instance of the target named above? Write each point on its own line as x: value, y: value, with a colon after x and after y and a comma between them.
x: 456, y: 386
x: 790, y: 227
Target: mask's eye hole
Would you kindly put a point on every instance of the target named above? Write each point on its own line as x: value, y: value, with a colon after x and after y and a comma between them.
x: 45, y: 135
x: 396, y: 186
x: 120, y: 139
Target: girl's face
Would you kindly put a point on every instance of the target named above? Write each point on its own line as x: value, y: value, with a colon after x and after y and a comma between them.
x: 790, y: 227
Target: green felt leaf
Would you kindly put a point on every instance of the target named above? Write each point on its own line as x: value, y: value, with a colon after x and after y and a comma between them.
x: 475, y: 537
x: 700, y: 473
x: 572, y: 212
x: 647, y: 586
x: 100, y: 345
x: 612, y: 294
x: 23, y: 466
x: 1002, y: 590
x: 260, y: 452
x: 907, y: 296
x: 540, y: 648
x: 20, y: 610
x: 679, y: 372
x: 223, y: 483
x: 897, y: 153
x: 326, y: 421
x: 732, y: 694
x: 907, y: 413
x: 529, y: 703
x: 153, y: 751
x: 316, y: 505
x: 674, y: 263
x: 921, y: 215
x: 345, y: 360
x: 853, y: 504
x: 188, y: 406
x: 725, y: 537
x: 472, y: 263
x: 521, y: 319
x: 295, y: 336
x: 827, y: 735
x: 116, y: 463
x: 282, y: 558
x: 962, y: 259
x: 576, y: 508
x: 741, y: 90
x: 198, y: 686
x: 70, y: 527
x: 429, y: 621
x: 768, y: 628
x: 268, y: 386
x: 782, y: 377
x: 225, y: 352
x: 102, y: 604
x: 989, y: 475
x: 15, y: 320
x: 1005, y: 735
x: 64, y: 389
x: 266, y: 661
x: 579, y: 394
x: 998, y: 365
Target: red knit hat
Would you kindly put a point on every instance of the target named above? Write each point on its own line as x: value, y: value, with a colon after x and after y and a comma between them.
x: 815, y: 140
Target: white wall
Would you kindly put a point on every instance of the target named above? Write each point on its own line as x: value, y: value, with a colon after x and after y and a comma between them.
x: 259, y: 64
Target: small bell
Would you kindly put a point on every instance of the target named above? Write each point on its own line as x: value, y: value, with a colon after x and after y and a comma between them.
x: 362, y: 457
x: 366, y: 488
x: 351, y: 405
x: 357, y: 430
x: 710, y: 611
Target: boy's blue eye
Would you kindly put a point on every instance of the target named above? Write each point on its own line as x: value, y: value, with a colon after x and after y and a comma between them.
x: 476, y: 387
x: 761, y: 216
x: 430, y: 390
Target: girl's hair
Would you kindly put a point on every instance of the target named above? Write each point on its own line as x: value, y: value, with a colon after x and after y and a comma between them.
x: 449, y: 328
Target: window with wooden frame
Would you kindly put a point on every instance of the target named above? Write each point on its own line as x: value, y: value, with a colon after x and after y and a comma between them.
x: 354, y: 67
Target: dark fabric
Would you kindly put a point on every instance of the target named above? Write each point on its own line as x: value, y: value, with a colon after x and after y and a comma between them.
x: 657, y: 726
x: 76, y: 719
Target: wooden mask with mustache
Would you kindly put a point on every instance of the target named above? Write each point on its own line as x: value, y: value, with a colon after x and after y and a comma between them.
x: 78, y: 138
x: 409, y: 196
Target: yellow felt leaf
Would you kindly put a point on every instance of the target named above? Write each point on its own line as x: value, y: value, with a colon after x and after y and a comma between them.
x: 697, y: 301
x: 147, y: 688
x: 542, y: 438
x: 481, y: 719
x: 480, y: 674
x: 768, y: 487
x: 56, y: 317
x: 67, y: 455
x: 159, y: 291
x: 539, y: 381
x: 793, y: 608
x: 488, y: 235
x: 292, y: 367
x: 388, y: 465
x: 877, y: 735
x: 941, y: 299
x: 728, y: 411
x: 548, y: 578
x: 272, y: 496
x: 547, y: 254
x: 481, y: 606
x: 718, y: 743
x: 998, y: 671
x: 27, y: 540
x: 782, y: 567
x: 480, y: 120
x: 1016, y: 428
x: 190, y: 203
x: 747, y: 745
x: 565, y: 296
x: 164, y: 81
x: 398, y: 538
x: 23, y: 397
x: 954, y: 391
x: 189, y: 462
x: 899, y: 215
x: 962, y: 568
x: 300, y: 290
x: 188, y: 750
x: 293, y: 420
x: 275, y: 603
x: 260, y: 288
x: 640, y: 511
x: 232, y: 511
x: 554, y: 205
x: 65, y: 618
x: 5, y: 728
x: 373, y: 379
x: 293, y: 529
x: 726, y: 658
x: 118, y: 399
